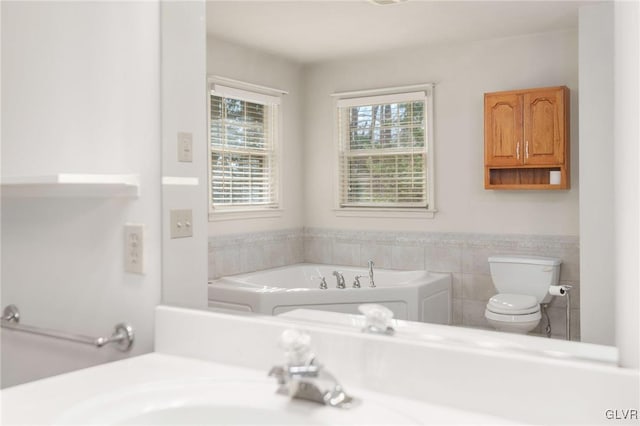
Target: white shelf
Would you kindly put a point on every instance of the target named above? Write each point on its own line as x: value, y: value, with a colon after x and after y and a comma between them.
x: 71, y: 185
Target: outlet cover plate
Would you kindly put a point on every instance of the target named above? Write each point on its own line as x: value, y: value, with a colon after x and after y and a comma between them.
x: 181, y: 223
x: 134, y: 248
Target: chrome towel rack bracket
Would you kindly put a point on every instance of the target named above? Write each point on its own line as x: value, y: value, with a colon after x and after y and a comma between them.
x: 122, y: 337
x: 11, y: 314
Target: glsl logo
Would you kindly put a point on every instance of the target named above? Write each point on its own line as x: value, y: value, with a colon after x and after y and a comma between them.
x: 630, y: 414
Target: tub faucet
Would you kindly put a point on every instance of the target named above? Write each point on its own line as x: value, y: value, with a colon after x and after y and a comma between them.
x: 356, y: 280
x: 303, y: 377
x: 339, y: 279
x: 323, y: 282
x: 371, y: 282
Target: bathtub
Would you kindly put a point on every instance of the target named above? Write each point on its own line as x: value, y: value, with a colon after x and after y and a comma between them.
x: 411, y: 295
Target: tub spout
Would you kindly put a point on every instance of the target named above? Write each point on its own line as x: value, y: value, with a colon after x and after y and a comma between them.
x: 339, y: 279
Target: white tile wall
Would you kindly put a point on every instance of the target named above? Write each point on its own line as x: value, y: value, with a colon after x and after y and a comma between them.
x: 240, y: 253
x: 443, y: 259
x: 464, y: 255
x: 477, y: 287
x: 346, y: 253
x: 379, y: 253
x: 407, y: 257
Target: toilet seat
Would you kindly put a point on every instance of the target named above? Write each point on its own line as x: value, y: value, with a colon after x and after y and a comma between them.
x: 513, y: 304
x: 532, y: 318
x: 518, y: 313
x: 515, y: 313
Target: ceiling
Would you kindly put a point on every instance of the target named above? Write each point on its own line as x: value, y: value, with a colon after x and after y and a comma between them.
x: 319, y: 30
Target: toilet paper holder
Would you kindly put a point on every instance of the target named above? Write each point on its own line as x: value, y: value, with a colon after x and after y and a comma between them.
x: 564, y: 291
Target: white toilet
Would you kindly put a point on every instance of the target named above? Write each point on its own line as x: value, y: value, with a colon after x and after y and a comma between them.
x: 523, y: 284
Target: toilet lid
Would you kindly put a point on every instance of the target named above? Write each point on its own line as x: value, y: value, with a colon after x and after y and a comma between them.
x: 513, y: 304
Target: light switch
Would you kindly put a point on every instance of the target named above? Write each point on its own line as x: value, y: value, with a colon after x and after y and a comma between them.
x: 181, y: 223
x: 185, y: 147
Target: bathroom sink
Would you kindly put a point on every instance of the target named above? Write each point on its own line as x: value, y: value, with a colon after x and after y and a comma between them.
x: 220, y: 402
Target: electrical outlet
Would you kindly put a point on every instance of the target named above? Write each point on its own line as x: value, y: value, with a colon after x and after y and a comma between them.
x: 185, y: 147
x: 181, y: 223
x: 134, y: 248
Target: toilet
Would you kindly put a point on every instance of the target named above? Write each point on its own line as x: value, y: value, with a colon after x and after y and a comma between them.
x: 523, y: 284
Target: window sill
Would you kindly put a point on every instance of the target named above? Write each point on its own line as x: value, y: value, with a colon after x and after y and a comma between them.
x: 385, y: 213
x: 220, y: 215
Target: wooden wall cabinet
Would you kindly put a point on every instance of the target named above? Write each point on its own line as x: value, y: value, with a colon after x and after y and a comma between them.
x: 526, y: 137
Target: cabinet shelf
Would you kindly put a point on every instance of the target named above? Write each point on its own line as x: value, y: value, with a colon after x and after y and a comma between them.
x: 72, y: 185
x: 527, y: 178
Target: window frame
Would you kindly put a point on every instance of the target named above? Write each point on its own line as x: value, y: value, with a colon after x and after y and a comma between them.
x: 220, y: 86
x: 364, y: 97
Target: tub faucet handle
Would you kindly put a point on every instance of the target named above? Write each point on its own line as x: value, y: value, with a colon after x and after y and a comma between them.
x: 323, y: 282
x: 356, y: 280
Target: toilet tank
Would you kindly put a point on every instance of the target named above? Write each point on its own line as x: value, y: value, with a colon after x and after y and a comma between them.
x: 531, y: 275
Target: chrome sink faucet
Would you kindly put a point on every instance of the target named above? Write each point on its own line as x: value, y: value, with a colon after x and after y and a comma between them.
x: 302, y: 377
x: 339, y: 279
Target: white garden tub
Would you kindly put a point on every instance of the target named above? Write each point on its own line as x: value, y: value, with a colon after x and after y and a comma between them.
x: 411, y: 295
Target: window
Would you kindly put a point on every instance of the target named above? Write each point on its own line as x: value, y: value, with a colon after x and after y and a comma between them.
x: 243, y: 150
x: 384, y: 151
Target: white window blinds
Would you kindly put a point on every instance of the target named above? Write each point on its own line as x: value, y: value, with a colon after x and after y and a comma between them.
x: 243, y: 135
x: 383, y: 151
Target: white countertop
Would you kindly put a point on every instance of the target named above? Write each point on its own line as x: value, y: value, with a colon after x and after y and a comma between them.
x: 210, y: 367
x: 49, y: 401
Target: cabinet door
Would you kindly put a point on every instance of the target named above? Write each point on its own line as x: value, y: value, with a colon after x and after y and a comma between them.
x: 544, y: 127
x: 503, y: 129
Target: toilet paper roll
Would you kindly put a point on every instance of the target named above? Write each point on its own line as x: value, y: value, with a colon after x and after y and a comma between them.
x: 555, y: 177
x: 558, y: 290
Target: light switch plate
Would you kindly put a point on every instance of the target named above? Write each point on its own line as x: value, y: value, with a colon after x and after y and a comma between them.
x: 181, y: 223
x: 134, y: 248
x: 185, y: 147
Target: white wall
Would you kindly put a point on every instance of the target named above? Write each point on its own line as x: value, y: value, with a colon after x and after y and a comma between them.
x: 597, y: 315
x: 462, y: 73
x: 80, y: 94
x: 184, y: 260
x: 251, y: 66
x: 627, y: 181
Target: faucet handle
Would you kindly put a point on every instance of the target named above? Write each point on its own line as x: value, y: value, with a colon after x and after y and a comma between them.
x: 323, y: 281
x: 297, y: 347
x: 356, y: 280
x: 377, y: 318
x: 279, y: 373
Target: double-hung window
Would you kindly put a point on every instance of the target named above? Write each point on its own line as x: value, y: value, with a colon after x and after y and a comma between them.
x: 243, y: 172
x: 385, y: 151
